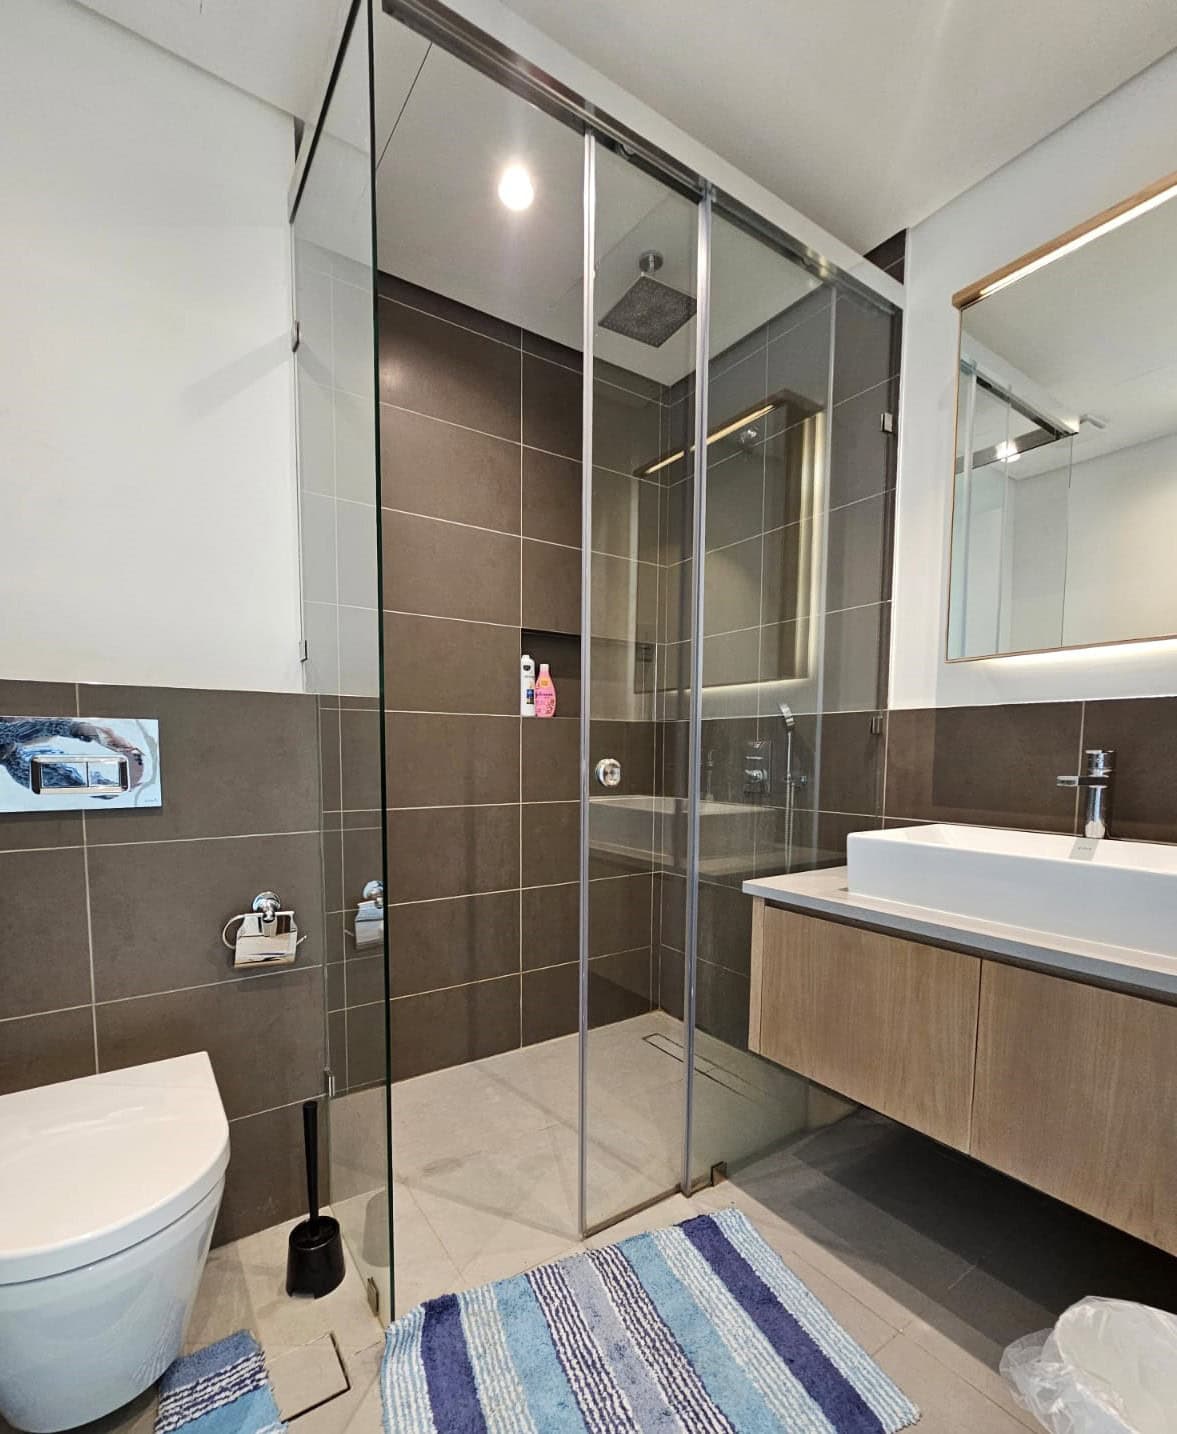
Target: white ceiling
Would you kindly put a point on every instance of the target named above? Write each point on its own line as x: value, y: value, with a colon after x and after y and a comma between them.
x: 1097, y: 331
x: 865, y: 116
x: 275, y: 49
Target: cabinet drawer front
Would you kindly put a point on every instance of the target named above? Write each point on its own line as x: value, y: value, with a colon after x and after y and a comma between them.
x: 889, y: 1023
x: 1076, y: 1096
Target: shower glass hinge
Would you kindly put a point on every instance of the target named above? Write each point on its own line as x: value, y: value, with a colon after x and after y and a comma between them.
x: 887, y: 422
x: 303, y: 654
x: 295, y: 336
x: 373, y: 1296
x: 876, y: 725
x: 329, y: 1083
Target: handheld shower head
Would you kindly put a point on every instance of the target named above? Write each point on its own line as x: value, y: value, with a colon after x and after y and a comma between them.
x: 787, y: 716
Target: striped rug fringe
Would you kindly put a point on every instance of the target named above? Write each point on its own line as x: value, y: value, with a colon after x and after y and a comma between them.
x: 695, y: 1329
x: 223, y: 1389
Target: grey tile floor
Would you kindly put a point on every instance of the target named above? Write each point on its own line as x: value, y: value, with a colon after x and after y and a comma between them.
x: 933, y: 1263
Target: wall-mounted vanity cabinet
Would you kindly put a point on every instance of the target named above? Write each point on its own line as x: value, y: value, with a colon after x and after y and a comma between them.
x: 1063, y: 1085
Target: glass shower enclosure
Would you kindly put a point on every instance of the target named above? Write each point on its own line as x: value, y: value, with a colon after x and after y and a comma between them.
x: 617, y: 428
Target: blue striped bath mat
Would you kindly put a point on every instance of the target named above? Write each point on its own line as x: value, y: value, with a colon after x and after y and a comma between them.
x: 223, y: 1389
x: 697, y: 1329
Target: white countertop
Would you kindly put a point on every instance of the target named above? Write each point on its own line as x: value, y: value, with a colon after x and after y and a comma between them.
x: 825, y: 893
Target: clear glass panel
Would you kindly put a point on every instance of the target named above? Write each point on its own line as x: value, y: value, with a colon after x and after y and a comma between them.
x: 643, y: 417
x: 761, y: 701
x: 1009, y: 536
x: 335, y: 365
x: 480, y: 327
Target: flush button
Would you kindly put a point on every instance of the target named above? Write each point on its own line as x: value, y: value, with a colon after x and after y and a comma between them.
x: 608, y: 772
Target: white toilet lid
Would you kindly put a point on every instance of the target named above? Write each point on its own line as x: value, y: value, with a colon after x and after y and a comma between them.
x: 90, y: 1167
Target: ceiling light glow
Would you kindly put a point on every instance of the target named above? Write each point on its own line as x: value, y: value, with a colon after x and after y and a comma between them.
x: 515, y: 187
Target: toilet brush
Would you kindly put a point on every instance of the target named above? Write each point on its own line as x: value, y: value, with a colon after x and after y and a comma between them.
x: 314, y: 1262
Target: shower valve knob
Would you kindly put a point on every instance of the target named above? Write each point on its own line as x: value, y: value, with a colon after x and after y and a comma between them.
x: 608, y: 772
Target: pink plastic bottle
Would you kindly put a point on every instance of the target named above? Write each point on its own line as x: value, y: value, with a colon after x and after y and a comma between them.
x: 545, y: 693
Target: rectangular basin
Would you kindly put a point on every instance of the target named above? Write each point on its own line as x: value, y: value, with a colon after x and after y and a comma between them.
x: 1121, y: 893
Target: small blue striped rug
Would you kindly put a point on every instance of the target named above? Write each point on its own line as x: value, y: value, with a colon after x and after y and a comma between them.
x: 696, y: 1329
x: 223, y: 1389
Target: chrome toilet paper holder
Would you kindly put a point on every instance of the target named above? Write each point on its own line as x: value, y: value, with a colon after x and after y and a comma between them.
x: 266, y: 934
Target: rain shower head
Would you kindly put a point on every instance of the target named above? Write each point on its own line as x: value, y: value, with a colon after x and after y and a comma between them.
x: 649, y: 311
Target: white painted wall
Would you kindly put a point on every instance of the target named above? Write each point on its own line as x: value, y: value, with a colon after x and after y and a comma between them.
x: 1121, y: 144
x: 149, y: 521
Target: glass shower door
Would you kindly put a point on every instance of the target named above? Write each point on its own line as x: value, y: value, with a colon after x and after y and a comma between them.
x: 639, y: 412
x: 334, y: 288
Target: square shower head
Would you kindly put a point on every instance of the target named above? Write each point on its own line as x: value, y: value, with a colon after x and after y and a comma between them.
x: 649, y: 312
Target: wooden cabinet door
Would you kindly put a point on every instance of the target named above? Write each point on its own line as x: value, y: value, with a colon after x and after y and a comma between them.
x: 887, y: 1022
x: 1077, y: 1095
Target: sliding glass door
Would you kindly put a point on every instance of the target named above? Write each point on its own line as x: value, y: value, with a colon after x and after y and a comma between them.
x: 639, y: 406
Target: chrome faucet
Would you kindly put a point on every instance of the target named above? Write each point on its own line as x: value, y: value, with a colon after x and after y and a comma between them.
x: 1096, y: 779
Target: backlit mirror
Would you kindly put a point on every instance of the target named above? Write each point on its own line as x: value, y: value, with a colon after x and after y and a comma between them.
x: 1065, y: 484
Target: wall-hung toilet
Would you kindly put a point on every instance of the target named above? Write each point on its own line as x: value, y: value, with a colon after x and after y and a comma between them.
x: 109, y: 1187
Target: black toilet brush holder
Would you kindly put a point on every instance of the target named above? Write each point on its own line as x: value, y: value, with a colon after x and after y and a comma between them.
x: 314, y: 1261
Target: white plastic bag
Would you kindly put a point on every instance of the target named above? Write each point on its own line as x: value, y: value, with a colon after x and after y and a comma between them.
x: 1107, y: 1367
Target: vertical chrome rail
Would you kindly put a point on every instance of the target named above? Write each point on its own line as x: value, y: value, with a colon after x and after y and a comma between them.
x: 586, y: 637
x: 695, y: 767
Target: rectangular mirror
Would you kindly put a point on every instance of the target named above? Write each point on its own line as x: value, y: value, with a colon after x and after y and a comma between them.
x: 1065, y: 483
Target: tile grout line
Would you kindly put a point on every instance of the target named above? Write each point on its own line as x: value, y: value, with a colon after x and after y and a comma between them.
x: 89, y: 915
x: 522, y: 719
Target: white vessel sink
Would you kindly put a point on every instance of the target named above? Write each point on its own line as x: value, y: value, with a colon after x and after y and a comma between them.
x: 1122, y: 893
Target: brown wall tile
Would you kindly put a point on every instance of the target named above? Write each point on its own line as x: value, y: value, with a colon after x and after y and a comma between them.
x: 439, y: 665
x: 551, y: 497
x: 551, y: 407
x: 851, y: 778
x: 437, y: 760
x: 448, y: 1028
x: 40, y: 1050
x: 157, y: 909
x: 359, y: 757
x: 452, y: 851
x: 445, y: 570
x: 46, y: 957
x: 551, y: 759
x: 551, y: 587
x: 448, y: 943
x: 620, y: 914
x: 440, y: 470
x: 551, y: 925
x: 447, y: 371
x: 551, y: 843
x: 1144, y: 793
x: 266, y: 1179
x: 263, y: 1035
x: 992, y: 765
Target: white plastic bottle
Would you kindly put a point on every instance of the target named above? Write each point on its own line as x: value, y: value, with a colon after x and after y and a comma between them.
x: 526, y: 686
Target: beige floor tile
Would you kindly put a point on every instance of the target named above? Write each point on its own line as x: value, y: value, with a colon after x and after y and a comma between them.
x: 510, y: 1202
x: 449, y: 1114
x: 357, y: 1411
x: 424, y: 1270
x: 306, y: 1377
x: 948, y: 1403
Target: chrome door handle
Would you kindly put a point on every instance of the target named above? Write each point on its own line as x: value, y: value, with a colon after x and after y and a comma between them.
x: 608, y: 772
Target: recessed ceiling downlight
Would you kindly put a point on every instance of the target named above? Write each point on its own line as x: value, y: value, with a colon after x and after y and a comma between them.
x: 515, y: 187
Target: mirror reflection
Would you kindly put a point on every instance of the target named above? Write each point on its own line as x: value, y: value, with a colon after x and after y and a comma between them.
x: 1065, y: 484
